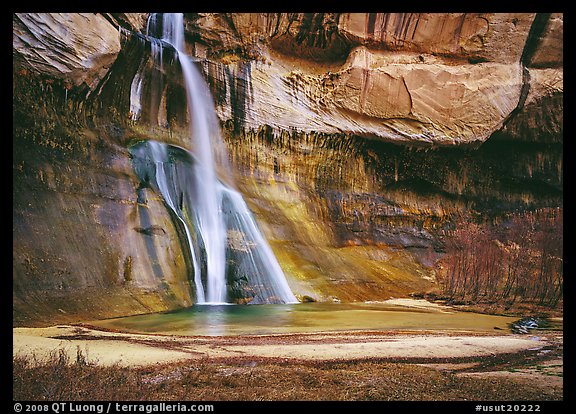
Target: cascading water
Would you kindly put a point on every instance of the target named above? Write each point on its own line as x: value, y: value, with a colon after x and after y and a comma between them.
x: 224, y: 241
x: 203, y: 129
x: 159, y: 155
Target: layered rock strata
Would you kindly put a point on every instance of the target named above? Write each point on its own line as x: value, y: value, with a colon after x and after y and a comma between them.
x: 306, y: 101
x: 440, y: 78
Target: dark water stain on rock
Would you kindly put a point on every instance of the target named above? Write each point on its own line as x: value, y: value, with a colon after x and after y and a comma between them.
x: 151, y: 231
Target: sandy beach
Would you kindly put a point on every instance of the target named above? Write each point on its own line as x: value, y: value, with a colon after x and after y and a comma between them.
x: 127, y: 349
x: 531, y: 362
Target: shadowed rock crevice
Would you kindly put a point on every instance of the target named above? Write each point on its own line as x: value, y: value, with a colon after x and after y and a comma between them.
x: 537, y: 29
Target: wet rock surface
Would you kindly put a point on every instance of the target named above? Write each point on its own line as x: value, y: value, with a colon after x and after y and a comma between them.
x: 305, y: 102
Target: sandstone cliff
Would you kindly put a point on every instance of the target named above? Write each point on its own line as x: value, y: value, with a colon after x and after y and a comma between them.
x: 437, y: 78
x: 313, y: 107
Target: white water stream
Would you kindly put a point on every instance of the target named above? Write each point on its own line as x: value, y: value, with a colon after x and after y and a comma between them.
x: 208, y: 229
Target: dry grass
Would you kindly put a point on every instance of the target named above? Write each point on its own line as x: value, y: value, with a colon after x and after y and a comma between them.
x: 60, y: 378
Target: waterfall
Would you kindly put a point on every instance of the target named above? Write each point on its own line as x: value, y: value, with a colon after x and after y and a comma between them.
x: 260, y: 265
x: 159, y: 155
x: 204, y: 128
x: 218, y: 225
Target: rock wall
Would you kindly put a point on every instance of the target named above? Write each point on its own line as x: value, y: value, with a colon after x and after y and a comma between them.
x: 441, y: 78
x: 88, y: 243
x: 364, y: 220
x: 348, y: 135
x: 76, y: 47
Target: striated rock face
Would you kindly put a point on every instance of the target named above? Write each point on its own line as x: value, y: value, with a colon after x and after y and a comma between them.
x: 439, y: 78
x: 347, y: 136
x: 431, y: 78
x: 88, y: 242
x: 402, y: 100
x: 362, y: 220
x: 76, y: 47
x: 477, y: 37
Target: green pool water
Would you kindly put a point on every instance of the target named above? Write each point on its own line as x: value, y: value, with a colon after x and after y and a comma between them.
x: 220, y: 320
